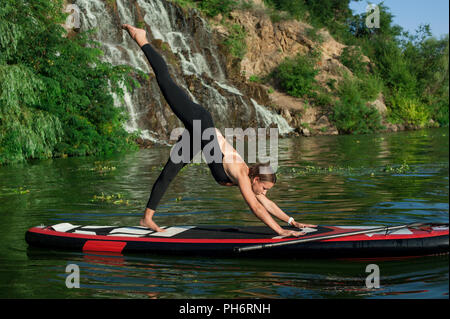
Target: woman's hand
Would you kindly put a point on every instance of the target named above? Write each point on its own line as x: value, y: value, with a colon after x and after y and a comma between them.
x: 300, y: 225
x: 290, y: 233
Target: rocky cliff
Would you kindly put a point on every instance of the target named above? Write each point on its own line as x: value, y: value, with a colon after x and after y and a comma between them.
x: 269, y: 43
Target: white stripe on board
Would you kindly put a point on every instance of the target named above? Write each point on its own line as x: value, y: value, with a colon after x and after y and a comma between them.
x: 95, y: 227
x: 172, y: 231
x: 132, y: 230
x: 404, y: 231
x: 357, y: 227
x: 64, y: 227
x: 85, y: 232
x: 125, y: 235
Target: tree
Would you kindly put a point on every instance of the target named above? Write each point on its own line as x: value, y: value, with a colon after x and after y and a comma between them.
x: 55, y: 93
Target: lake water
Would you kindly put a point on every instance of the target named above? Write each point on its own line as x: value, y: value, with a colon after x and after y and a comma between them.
x: 381, y: 179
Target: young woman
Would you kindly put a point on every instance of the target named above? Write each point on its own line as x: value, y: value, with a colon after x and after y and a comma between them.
x: 231, y: 170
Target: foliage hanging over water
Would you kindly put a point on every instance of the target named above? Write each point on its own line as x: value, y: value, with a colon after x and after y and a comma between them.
x: 55, y: 92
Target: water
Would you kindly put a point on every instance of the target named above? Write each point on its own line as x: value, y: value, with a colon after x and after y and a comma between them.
x: 336, y: 180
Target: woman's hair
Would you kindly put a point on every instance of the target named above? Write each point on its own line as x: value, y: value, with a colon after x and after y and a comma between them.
x: 264, y: 171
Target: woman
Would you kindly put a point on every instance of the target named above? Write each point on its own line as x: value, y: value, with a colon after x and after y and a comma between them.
x: 230, y: 171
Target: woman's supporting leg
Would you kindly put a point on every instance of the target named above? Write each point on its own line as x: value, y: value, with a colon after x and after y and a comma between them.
x: 170, y: 170
x: 187, y: 111
x: 173, y: 166
x: 161, y: 184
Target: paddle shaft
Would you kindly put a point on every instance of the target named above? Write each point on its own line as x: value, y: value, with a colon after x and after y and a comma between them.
x: 306, y: 240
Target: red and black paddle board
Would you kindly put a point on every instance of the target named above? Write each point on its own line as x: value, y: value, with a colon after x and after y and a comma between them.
x: 212, y: 240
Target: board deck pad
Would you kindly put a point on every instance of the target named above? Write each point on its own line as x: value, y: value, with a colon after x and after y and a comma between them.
x: 186, y: 232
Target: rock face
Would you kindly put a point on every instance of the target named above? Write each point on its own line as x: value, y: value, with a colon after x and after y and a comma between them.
x: 270, y: 43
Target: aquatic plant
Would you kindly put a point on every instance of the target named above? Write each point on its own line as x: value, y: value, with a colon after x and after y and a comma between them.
x: 116, y: 199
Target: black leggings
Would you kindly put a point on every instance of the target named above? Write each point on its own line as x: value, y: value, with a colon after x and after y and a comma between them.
x: 187, y: 111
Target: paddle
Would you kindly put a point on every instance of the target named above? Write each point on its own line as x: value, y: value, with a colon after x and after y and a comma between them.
x: 305, y: 240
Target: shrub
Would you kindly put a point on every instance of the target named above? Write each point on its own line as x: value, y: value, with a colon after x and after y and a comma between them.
x: 351, y: 113
x: 236, y: 41
x: 370, y: 86
x: 441, y: 112
x: 294, y: 9
x: 296, y: 75
x: 331, y: 83
x: 255, y: 78
x: 214, y: 7
x: 314, y: 35
x: 323, y: 100
x: 352, y: 58
x: 409, y: 109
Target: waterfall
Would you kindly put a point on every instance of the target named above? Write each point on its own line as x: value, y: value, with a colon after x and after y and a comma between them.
x: 198, y: 58
x: 267, y: 117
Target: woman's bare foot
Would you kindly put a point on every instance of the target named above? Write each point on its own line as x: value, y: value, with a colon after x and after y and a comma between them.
x: 148, y: 222
x: 138, y: 35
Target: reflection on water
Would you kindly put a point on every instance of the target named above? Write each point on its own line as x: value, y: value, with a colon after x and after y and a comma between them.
x: 107, y: 275
x: 340, y: 180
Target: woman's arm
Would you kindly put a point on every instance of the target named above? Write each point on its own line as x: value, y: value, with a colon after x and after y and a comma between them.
x: 273, y: 209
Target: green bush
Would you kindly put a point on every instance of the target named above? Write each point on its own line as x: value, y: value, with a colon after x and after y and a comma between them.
x: 332, y: 14
x: 440, y: 111
x: 352, y: 58
x: 246, y: 5
x: 296, y: 75
x: 351, y: 113
x: 214, y: 7
x: 407, y: 109
x: 331, y: 83
x: 428, y: 58
x: 392, y: 67
x: 323, y: 100
x: 295, y: 9
x: 185, y: 3
x: 236, y: 41
x: 370, y: 86
x: 314, y: 35
x: 255, y: 78
x: 277, y: 16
